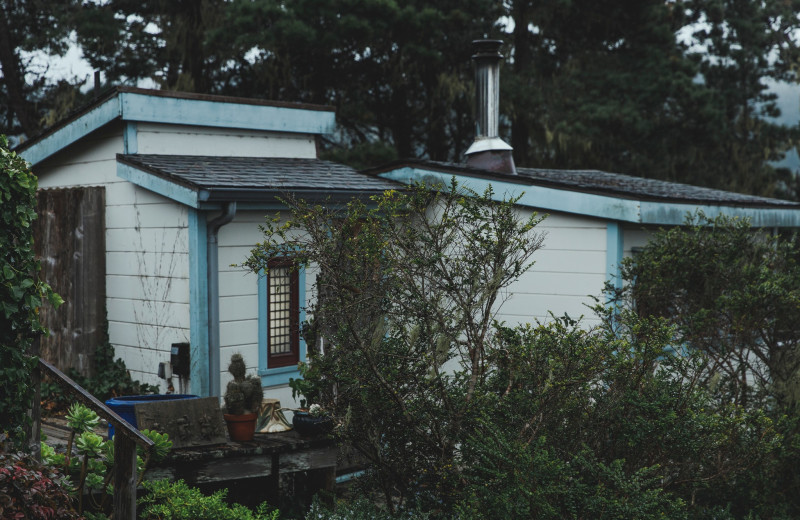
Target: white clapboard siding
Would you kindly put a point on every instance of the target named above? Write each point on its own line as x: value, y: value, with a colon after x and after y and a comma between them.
x: 233, y: 308
x: 194, y: 140
x: 568, y: 270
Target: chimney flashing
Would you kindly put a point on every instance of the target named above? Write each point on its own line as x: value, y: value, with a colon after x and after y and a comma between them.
x: 483, y: 144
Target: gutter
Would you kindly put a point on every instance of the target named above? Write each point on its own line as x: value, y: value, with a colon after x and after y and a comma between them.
x: 213, y: 297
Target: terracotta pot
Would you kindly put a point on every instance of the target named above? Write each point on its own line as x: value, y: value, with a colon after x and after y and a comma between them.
x: 306, y: 424
x: 241, y: 427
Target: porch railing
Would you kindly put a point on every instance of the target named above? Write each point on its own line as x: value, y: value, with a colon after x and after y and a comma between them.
x: 126, y: 438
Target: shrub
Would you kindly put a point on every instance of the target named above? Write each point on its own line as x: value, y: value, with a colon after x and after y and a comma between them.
x: 21, y: 292
x: 407, y: 291
x: 32, y: 490
x: 165, y: 500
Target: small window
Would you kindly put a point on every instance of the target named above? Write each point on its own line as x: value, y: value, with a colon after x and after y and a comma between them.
x: 283, y: 314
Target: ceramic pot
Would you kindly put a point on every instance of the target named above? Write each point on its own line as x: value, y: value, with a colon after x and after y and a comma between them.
x: 306, y: 424
x: 241, y: 427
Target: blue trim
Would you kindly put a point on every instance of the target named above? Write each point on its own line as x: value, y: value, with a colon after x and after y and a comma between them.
x: 601, y: 206
x: 63, y: 137
x: 675, y: 214
x: 281, y: 375
x: 614, y: 253
x: 154, y: 109
x: 198, y: 303
x: 158, y: 185
x: 130, y: 138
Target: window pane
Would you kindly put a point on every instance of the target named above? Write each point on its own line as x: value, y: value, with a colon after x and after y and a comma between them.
x: 280, y: 333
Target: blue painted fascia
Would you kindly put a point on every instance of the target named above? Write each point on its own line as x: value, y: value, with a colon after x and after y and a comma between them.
x: 532, y: 196
x: 675, y: 214
x: 198, y: 303
x: 600, y: 206
x: 70, y: 133
x: 154, y: 109
x: 614, y: 253
x: 158, y: 185
x: 281, y: 375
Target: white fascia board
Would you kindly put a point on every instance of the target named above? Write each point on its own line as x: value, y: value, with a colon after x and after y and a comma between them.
x: 537, y: 197
x: 80, y: 127
x: 154, y: 109
x: 158, y: 185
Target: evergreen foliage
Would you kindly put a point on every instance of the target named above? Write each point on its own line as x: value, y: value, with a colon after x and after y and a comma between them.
x: 673, y: 90
x: 459, y: 415
x: 21, y: 293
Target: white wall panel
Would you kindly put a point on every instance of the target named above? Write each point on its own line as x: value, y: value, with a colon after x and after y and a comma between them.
x: 188, y: 140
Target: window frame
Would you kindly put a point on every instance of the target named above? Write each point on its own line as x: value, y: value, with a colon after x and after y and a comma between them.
x: 279, y: 373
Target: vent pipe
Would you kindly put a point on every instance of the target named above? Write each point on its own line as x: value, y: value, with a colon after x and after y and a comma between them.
x: 488, y: 151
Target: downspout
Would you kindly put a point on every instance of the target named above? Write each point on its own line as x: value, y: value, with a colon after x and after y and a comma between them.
x: 213, y: 297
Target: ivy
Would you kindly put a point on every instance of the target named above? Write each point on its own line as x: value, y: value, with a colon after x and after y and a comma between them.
x: 21, y: 293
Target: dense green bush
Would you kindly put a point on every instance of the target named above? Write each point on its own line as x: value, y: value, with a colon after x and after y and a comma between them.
x: 166, y: 500
x: 675, y: 406
x: 21, y: 293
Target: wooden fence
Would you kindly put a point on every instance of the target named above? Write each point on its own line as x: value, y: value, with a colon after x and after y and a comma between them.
x: 69, y: 239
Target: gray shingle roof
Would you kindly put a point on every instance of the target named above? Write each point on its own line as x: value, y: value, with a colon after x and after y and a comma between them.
x: 614, y: 184
x: 242, y: 175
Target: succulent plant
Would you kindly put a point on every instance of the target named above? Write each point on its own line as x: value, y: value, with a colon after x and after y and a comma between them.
x: 244, y: 394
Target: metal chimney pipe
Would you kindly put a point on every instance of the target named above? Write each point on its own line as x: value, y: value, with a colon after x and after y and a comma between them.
x: 488, y: 151
x: 487, y: 87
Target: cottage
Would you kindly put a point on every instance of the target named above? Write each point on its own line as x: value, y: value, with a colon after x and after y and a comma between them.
x: 186, y: 180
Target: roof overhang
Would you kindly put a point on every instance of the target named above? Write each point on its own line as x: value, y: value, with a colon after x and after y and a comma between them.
x: 140, y: 105
x: 607, y: 207
x: 213, y: 198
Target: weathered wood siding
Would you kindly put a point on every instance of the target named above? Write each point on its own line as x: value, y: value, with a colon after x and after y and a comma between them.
x: 70, y: 241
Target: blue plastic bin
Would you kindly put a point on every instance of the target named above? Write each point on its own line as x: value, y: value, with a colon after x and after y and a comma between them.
x: 124, y: 406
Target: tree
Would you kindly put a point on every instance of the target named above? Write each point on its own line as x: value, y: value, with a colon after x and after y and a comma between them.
x: 457, y: 414
x: 26, y: 26
x: 668, y: 90
x: 408, y: 291
x: 20, y: 292
x: 731, y: 293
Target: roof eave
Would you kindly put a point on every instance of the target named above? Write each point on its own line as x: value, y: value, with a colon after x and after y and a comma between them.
x: 604, y: 206
x: 155, y: 107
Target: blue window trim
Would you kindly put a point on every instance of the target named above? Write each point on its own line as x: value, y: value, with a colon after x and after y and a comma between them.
x: 280, y: 375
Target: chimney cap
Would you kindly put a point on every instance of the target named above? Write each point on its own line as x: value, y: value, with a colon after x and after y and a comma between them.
x: 487, y: 49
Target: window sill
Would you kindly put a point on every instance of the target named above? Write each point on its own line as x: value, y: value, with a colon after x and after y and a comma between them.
x: 278, y: 376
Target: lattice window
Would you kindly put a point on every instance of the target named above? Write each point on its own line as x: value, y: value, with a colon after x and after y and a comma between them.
x: 283, y: 313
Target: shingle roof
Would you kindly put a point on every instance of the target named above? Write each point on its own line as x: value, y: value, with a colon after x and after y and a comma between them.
x: 615, y: 184
x: 236, y: 177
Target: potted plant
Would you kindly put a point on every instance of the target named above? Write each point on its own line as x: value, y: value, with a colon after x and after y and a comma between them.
x: 313, y: 421
x: 243, y: 398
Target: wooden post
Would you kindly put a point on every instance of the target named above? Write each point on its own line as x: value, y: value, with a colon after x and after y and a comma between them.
x: 124, y: 477
x: 35, y: 431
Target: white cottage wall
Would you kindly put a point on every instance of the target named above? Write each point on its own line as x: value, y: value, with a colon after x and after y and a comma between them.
x: 568, y: 270
x: 239, y: 306
x: 198, y: 140
x: 147, y: 286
